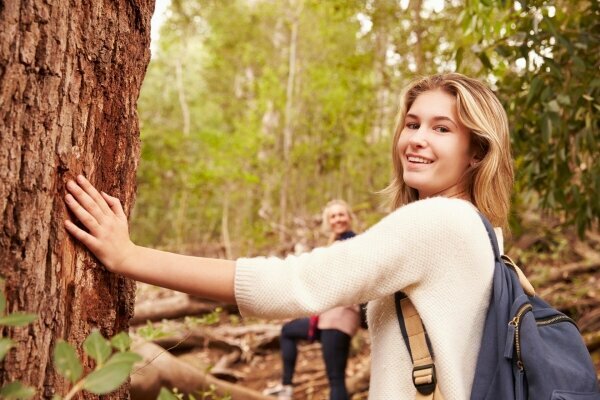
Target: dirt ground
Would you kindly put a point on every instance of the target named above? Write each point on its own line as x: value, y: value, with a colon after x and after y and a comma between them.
x: 263, y: 368
x: 310, y: 381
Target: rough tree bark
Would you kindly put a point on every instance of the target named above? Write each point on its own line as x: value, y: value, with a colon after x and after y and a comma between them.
x: 70, y: 75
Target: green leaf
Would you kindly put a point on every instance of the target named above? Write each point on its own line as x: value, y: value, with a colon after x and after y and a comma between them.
x: 16, y: 391
x: 553, y: 106
x: 124, y: 357
x: 66, y: 361
x: 166, y: 394
x: 112, y: 374
x: 2, y: 302
x: 121, y: 341
x: 485, y: 60
x: 107, y: 378
x: 97, y: 347
x: 564, y: 99
x: 149, y: 332
x: 18, y: 319
x: 546, y: 127
x: 534, y: 89
x: 5, y: 346
x: 459, y: 57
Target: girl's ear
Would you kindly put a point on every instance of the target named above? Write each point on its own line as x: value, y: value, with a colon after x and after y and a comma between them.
x: 479, y: 149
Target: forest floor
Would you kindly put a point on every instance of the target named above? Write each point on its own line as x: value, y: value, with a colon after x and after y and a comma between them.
x: 260, y: 366
x: 564, y: 269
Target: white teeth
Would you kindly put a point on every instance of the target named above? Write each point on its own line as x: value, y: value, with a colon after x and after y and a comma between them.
x: 419, y: 160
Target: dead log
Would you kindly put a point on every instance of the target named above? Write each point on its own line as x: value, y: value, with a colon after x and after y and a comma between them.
x: 590, y: 321
x: 568, y: 271
x: 247, y: 339
x: 176, y: 306
x: 586, y: 252
x: 222, y: 371
x: 161, y: 369
x: 592, y: 341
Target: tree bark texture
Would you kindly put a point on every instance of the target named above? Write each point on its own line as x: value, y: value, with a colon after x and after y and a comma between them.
x: 70, y: 76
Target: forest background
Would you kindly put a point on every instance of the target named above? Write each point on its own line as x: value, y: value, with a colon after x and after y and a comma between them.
x: 255, y: 113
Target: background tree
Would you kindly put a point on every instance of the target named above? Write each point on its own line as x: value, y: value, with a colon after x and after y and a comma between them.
x: 69, y: 83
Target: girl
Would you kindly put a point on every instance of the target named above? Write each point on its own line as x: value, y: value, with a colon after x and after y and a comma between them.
x: 451, y: 157
x: 333, y: 328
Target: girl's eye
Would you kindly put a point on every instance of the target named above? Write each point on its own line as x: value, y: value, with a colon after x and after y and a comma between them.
x: 412, y: 125
x: 441, y: 129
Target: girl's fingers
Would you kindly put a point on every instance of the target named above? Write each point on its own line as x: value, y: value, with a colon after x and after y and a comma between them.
x: 82, y: 214
x: 93, y: 193
x: 85, y: 201
x: 88, y: 240
x: 114, y: 204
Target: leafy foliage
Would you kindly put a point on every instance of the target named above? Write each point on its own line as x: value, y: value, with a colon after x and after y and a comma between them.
x: 207, y: 319
x: 66, y: 361
x: 16, y: 391
x: 220, y: 99
x: 113, y: 360
x: 13, y: 390
x: 545, y: 66
x: 114, y: 363
x: 210, y: 393
x: 152, y: 332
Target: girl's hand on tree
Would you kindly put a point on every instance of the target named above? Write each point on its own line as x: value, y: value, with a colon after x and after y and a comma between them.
x: 107, y: 233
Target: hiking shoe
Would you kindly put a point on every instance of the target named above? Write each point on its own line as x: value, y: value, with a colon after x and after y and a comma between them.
x: 283, y: 392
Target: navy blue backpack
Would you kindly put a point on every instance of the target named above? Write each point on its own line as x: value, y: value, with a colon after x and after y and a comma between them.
x: 529, y: 350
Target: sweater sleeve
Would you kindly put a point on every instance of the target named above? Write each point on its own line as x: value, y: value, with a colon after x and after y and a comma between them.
x: 405, y: 249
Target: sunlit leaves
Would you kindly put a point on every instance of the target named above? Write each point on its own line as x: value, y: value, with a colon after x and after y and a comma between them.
x: 121, y: 341
x: 540, y: 57
x: 166, y: 394
x: 97, y: 347
x: 112, y: 367
x: 112, y: 375
x: 67, y: 362
x: 5, y: 345
x: 16, y: 391
x: 18, y: 319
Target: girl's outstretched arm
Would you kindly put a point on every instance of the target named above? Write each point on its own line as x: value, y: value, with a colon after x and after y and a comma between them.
x: 107, y: 236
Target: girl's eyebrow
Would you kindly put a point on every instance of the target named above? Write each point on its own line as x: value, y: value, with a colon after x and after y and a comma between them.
x: 436, y: 118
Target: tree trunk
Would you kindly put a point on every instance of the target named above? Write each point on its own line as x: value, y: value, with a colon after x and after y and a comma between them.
x: 288, y: 131
x: 70, y: 76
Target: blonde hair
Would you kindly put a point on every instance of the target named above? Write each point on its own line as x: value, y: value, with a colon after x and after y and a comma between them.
x: 490, y: 179
x: 325, y: 225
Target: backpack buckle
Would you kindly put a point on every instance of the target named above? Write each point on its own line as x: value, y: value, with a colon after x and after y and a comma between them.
x: 424, y: 378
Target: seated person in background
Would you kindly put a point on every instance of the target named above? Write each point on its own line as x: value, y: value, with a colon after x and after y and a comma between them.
x: 333, y: 328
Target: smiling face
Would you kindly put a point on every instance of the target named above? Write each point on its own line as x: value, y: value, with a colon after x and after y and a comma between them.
x: 434, y: 147
x: 339, y: 219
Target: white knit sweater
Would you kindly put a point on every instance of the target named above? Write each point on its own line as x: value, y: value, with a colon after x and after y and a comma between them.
x: 437, y: 251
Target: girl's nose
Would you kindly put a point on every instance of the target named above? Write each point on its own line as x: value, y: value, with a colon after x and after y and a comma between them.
x: 418, y: 139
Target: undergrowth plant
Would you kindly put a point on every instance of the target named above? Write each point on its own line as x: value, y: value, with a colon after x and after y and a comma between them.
x: 210, y: 394
x: 113, y: 360
x: 13, y: 390
x: 114, y: 363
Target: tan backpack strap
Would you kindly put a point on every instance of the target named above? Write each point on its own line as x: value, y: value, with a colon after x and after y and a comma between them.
x: 525, y: 284
x: 424, y: 377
